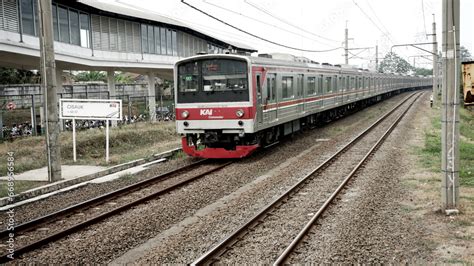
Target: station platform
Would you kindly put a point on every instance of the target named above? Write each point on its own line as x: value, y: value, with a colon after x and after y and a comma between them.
x: 67, y: 171
x: 78, y: 175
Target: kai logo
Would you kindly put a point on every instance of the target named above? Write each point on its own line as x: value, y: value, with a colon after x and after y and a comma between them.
x: 205, y: 112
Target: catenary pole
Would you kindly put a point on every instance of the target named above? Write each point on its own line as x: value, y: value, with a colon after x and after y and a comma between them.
x: 346, y: 45
x: 48, y: 77
x: 435, y: 63
x: 450, y: 107
x: 376, y: 58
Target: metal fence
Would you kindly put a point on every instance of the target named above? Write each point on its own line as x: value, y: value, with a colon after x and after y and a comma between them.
x: 25, y: 118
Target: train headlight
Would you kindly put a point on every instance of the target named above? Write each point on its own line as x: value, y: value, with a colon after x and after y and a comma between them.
x: 185, y: 114
x: 239, y: 113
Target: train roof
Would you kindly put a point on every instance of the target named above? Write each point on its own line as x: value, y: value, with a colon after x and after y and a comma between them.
x: 259, y: 60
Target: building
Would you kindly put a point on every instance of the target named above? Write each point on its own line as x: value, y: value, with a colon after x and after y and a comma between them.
x: 94, y: 35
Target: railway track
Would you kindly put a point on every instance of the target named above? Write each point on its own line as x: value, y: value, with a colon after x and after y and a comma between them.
x: 284, y: 215
x: 36, y: 233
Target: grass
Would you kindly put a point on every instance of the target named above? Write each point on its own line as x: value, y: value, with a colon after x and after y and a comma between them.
x: 127, y: 143
x: 431, y: 152
x: 19, y: 186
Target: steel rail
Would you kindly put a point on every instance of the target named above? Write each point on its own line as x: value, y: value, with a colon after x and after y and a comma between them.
x: 29, y: 225
x: 286, y: 253
x: 223, y: 245
x: 74, y: 228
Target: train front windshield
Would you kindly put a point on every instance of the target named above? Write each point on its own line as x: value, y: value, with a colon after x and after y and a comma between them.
x: 213, y: 80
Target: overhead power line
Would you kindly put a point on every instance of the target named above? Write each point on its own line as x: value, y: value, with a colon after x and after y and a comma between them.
x: 287, y: 22
x: 378, y: 19
x: 424, y: 20
x: 256, y: 36
x: 263, y: 22
x: 373, y: 22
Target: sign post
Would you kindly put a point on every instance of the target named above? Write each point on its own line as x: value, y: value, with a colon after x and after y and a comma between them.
x: 107, y: 140
x: 74, y: 139
x: 87, y: 109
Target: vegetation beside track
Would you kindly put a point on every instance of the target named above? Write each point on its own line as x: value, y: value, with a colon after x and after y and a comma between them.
x: 431, y: 152
x: 129, y: 142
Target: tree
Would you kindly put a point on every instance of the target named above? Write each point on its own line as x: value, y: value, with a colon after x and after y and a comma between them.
x: 392, y: 63
x: 422, y: 71
x: 465, y: 54
x: 85, y: 76
x: 123, y: 78
x: 17, y: 76
x: 91, y: 76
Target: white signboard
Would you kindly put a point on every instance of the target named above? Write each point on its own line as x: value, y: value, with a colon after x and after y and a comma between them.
x: 90, y: 109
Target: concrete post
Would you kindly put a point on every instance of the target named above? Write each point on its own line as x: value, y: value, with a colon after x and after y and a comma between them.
x: 435, y: 63
x: 346, y: 45
x: 111, y: 88
x: 48, y: 74
x: 151, y: 96
x: 450, y: 107
x: 376, y: 58
x: 59, y: 83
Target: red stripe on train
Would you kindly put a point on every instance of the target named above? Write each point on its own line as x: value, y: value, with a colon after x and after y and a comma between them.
x: 215, y: 113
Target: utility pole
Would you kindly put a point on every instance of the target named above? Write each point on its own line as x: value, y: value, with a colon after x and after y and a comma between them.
x: 450, y: 112
x: 48, y: 81
x: 376, y: 58
x: 435, y: 62
x: 346, y: 45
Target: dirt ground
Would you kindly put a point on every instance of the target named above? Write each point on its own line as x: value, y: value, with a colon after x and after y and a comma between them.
x: 451, y: 237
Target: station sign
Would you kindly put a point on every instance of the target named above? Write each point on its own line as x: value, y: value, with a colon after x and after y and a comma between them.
x: 90, y: 109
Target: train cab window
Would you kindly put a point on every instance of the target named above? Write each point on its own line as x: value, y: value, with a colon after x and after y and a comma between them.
x: 311, y: 86
x: 213, y: 80
x: 189, y: 78
x: 287, y: 87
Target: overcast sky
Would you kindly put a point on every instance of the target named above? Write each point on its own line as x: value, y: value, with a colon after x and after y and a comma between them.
x: 319, y: 24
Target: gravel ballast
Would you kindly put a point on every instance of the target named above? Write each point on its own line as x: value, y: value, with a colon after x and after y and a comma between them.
x: 176, y: 215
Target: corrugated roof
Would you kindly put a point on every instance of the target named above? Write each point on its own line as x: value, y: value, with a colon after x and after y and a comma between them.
x: 136, y: 12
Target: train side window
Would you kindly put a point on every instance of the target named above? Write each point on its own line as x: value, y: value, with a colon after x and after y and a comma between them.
x: 348, y: 83
x: 273, y: 83
x: 311, y: 85
x: 259, y: 86
x: 287, y: 87
x: 269, y: 90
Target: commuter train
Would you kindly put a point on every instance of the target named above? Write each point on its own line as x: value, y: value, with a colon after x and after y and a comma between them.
x: 227, y: 106
x: 468, y: 81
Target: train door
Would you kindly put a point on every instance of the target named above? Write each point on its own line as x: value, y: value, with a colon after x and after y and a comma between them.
x: 259, y: 99
x: 270, y: 99
x: 300, y: 94
x: 340, y: 89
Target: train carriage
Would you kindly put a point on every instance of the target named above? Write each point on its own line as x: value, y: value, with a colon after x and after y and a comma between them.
x: 227, y: 106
